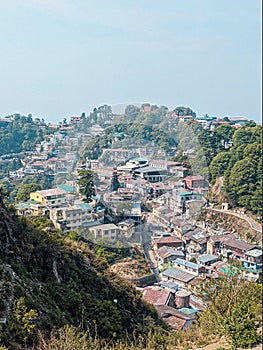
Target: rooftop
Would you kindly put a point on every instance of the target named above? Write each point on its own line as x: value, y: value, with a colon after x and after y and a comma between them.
x: 186, y: 263
x: 255, y: 253
x: 178, y: 274
x: 207, y: 258
x: 155, y: 296
x: 51, y: 192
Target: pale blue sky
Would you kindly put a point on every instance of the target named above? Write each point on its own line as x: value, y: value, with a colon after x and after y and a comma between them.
x: 63, y: 57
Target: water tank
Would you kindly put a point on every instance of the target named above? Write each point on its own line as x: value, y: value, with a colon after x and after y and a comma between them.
x: 182, y: 298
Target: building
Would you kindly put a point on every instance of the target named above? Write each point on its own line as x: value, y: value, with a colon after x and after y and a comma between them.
x: 71, y: 217
x: 187, y: 266
x: 54, y: 197
x: 107, y: 232
x: 178, y: 276
x: 195, y: 181
x: 158, y: 296
x: 168, y: 241
x: 235, y: 248
x: 252, y: 264
x: 127, y: 227
x: 151, y: 173
x: 167, y: 254
x: 207, y: 259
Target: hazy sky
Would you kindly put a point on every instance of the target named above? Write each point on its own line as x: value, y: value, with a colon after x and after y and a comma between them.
x: 63, y: 57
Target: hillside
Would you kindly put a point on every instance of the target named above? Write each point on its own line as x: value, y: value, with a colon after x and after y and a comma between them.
x: 48, y: 281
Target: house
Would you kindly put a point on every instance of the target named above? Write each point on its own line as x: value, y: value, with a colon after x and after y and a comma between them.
x: 107, y: 232
x: 214, y: 243
x: 178, y: 171
x: 187, y: 266
x: 195, y: 181
x: 175, y: 319
x: 181, y: 227
x: 196, y: 241
x: 179, y: 276
x: 182, y: 196
x: 235, y: 248
x: 167, y: 254
x: 75, y: 120
x: 54, y: 197
x: 127, y: 227
x: 252, y: 264
x: 71, y: 217
x: 207, y: 259
x: 151, y: 173
x: 168, y: 241
x: 158, y: 296
x: 117, y: 154
x: 238, y: 120
x: 186, y: 118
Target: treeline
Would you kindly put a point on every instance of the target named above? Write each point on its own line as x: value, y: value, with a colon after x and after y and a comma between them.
x: 20, y: 134
x: 241, y: 167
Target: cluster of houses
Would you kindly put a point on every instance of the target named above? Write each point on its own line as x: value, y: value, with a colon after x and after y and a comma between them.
x: 140, y: 190
x: 182, y: 272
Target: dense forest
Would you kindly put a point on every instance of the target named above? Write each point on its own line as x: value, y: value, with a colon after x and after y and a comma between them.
x: 21, y: 133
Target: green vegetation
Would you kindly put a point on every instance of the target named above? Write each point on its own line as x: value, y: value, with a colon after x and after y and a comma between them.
x: 241, y: 167
x: 234, y: 310
x: 86, y: 184
x: 50, y: 281
x: 21, y: 134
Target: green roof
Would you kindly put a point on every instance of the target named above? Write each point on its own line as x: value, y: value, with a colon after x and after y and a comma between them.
x: 84, y: 206
x: 187, y: 311
x: 139, y: 159
x: 69, y: 189
x: 22, y: 206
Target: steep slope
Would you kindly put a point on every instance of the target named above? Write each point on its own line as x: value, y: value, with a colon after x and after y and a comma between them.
x: 49, y: 281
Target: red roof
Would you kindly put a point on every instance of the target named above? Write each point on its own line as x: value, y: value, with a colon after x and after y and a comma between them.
x: 193, y: 177
x: 168, y: 239
x: 156, y: 296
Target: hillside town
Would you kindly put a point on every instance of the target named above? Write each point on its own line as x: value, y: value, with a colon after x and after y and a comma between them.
x: 141, y: 199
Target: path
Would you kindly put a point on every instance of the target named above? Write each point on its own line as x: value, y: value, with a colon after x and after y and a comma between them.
x: 253, y: 224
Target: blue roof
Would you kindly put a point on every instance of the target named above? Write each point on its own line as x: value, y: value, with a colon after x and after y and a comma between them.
x: 84, y: 206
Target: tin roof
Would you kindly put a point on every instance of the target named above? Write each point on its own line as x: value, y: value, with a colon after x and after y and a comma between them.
x: 178, y: 274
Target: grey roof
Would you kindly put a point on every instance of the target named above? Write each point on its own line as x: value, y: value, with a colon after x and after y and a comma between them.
x: 256, y: 253
x: 207, y: 258
x: 186, y: 263
x: 178, y: 275
x: 150, y: 168
x: 169, y: 284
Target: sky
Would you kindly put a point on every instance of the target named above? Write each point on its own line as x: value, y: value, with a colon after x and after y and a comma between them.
x: 63, y: 57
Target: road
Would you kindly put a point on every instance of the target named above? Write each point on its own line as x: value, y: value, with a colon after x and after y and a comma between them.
x: 253, y: 224
x: 148, y: 252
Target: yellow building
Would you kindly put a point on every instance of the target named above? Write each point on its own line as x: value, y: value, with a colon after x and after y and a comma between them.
x: 51, y: 198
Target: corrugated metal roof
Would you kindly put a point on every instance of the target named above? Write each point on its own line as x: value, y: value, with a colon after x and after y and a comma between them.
x: 178, y: 274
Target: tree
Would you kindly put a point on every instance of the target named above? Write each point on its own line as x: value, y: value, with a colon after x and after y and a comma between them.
x: 25, y: 190
x: 22, y: 321
x: 234, y: 310
x: 124, y: 208
x: 86, y: 184
x: 219, y: 165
